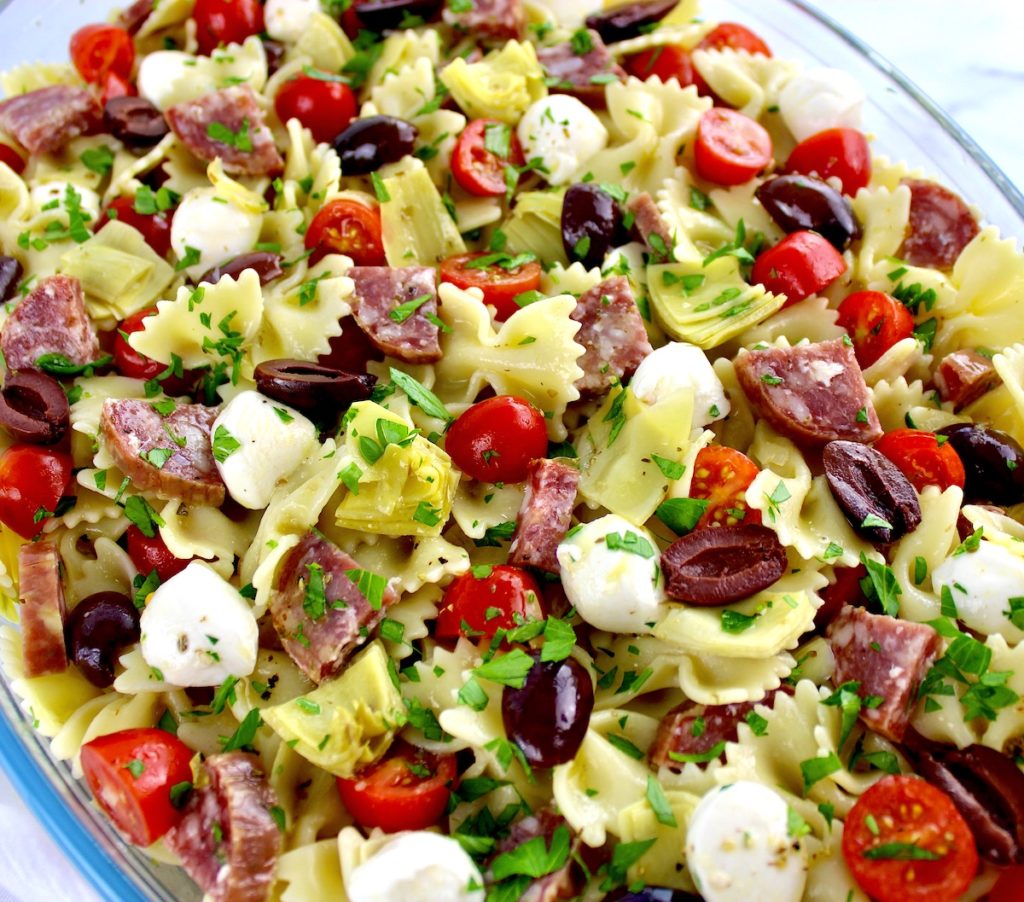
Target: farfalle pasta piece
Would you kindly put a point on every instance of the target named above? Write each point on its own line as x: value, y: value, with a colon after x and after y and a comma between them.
x: 308, y: 871
x: 714, y: 680
x: 191, y: 531
x: 683, y: 208
x: 809, y: 320
x: 748, y: 82
x: 27, y: 77
x: 402, y: 49
x: 664, y: 863
x: 323, y: 43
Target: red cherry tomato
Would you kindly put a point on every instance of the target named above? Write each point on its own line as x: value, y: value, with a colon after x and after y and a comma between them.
x: 32, y: 481
x: 845, y: 590
x: 667, y: 61
x: 722, y: 475
x: 347, y: 227
x: 324, y: 107
x: 152, y: 554
x: 1009, y: 887
x: 115, y: 85
x: 875, y: 321
x: 131, y: 774
x: 730, y: 148
x: 905, y: 841
x: 408, y: 789
x: 478, y: 169
x: 129, y: 361
x: 12, y: 158
x: 839, y: 152
x: 734, y: 36
x: 225, y: 22
x: 495, y: 440
x: 499, y: 285
x: 488, y: 603
x: 99, y: 50
x: 155, y: 227
x: 922, y: 459
x: 800, y: 265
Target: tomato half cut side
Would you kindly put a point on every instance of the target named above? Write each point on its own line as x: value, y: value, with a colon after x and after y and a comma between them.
x: 800, y: 265
x: 842, y: 153
x: 667, y: 61
x: 32, y: 481
x: 721, y: 476
x: 480, y: 603
x: 347, y: 227
x: 225, y: 22
x: 483, y: 152
x: 733, y: 36
x: 730, y: 148
x: 101, y: 50
x: 501, y: 284
x: 323, y: 106
x: 876, y: 321
x: 154, y: 227
x: 495, y: 439
x: 923, y: 457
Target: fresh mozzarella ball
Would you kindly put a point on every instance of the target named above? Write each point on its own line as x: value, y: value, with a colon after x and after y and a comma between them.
x: 563, y: 133
x: 197, y: 630
x: 44, y: 195
x: 982, y: 582
x: 273, y: 438
x: 219, y: 231
x: 159, y: 74
x: 738, y: 846
x: 819, y: 99
x: 418, y: 866
x: 678, y: 366
x: 616, y: 589
x: 287, y: 20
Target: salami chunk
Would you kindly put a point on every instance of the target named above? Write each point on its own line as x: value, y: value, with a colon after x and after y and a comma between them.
x: 50, y: 320
x: 227, y: 839
x: 319, y: 612
x: 545, y: 514
x: 44, y: 120
x: 585, y: 74
x: 488, y: 21
x: 690, y: 729
x: 813, y: 394
x: 43, y: 610
x: 964, y: 376
x: 649, y: 223
x: 888, y: 657
x: 227, y: 124
x: 613, y: 333
x: 139, y: 439
x: 562, y: 884
x: 134, y: 17
x: 398, y: 331
x: 941, y: 225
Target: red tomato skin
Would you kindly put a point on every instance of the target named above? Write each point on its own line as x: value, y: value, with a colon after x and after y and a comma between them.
x: 324, y: 107
x: 152, y: 554
x: 31, y: 478
x: 475, y: 168
x: 734, y: 36
x: 800, y: 265
x: 155, y: 227
x: 507, y: 588
x: 129, y: 361
x: 922, y: 459
x: 845, y: 590
x: 347, y: 227
x: 225, y: 22
x: 98, y: 50
x: 495, y: 440
x: 730, y: 148
x: 721, y: 475
x: 876, y: 321
x: 500, y: 287
x: 839, y: 152
x: 12, y: 158
x: 667, y: 61
x: 140, y: 807
x: 1009, y: 887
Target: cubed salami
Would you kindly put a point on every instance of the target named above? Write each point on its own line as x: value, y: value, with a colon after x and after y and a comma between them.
x: 888, y: 657
x: 489, y: 21
x: 43, y: 610
x: 133, y: 430
x: 813, y: 394
x: 44, y: 120
x: 648, y: 221
x: 544, y: 515
x: 964, y: 376
x: 402, y: 332
x: 690, y: 729
x: 227, y: 124
x: 581, y: 67
x: 562, y: 884
x: 940, y: 226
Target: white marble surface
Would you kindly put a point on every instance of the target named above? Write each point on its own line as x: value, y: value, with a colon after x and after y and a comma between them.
x: 968, y: 61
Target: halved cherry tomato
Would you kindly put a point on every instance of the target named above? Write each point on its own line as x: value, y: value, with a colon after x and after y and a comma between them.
x: 155, y: 227
x: 667, y: 61
x: 99, y: 50
x: 483, y: 151
x: 225, y: 22
x: 115, y: 85
x: 904, y: 841
x: 477, y: 606
x: 12, y: 158
x: 733, y: 36
x: 347, y: 227
x: 875, y: 321
x: 800, y: 265
x: 32, y: 481
x: 922, y: 459
x: 730, y: 148
x: 495, y: 440
x: 1009, y: 887
x: 722, y: 475
x: 129, y: 361
x: 408, y: 789
x: 323, y: 106
x: 152, y: 554
x: 131, y: 774
x: 839, y: 152
x: 499, y: 284
x: 845, y: 590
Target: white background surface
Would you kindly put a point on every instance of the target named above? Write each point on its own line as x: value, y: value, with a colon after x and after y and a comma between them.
x: 965, y: 56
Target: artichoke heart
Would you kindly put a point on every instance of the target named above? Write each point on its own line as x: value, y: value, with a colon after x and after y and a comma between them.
x: 501, y: 86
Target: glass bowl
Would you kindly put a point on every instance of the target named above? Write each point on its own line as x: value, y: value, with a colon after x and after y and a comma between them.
x: 908, y: 126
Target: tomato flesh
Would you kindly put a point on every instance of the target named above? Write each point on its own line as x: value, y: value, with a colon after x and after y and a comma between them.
x: 324, y: 107
x: 32, y: 481
x: 500, y: 285
x: 730, y: 148
x: 800, y: 265
x: 721, y: 476
x: 495, y: 440
x: 842, y: 153
x: 922, y: 459
x: 101, y: 50
x: 733, y: 36
x: 876, y: 321
x: 129, y: 361
x: 225, y: 22
x: 149, y: 554
x: 479, y: 169
x: 667, y: 61
x: 115, y: 85
x: 347, y: 227
x: 12, y: 158
x: 477, y: 606
x: 154, y: 227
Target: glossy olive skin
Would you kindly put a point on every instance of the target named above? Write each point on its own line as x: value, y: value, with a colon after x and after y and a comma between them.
x: 275, y: 51
x: 310, y: 387
x: 97, y: 629
x: 801, y: 202
x: 135, y: 121
x: 382, y: 15
x: 34, y: 408
x: 10, y: 276
x: 591, y: 224
x: 548, y: 717
x: 623, y: 22
x: 266, y: 264
x: 993, y: 462
x: 651, y: 894
x: 367, y: 144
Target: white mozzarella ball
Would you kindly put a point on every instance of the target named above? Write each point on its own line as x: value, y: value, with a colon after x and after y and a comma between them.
x: 563, y: 133
x: 981, y: 584
x: 418, y: 866
x: 738, y: 846
x: 819, y: 99
x: 287, y: 20
x: 676, y: 367
x: 616, y: 588
x: 43, y: 198
x: 197, y: 630
x: 159, y: 75
x: 218, y: 230
x: 272, y: 437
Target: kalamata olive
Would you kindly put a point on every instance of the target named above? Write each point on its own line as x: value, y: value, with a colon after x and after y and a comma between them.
x: 799, y: 202
x: 10, y: 276
x: 275, y: 51
x: 548, y: 717
x: 310, y: 387
x: 876, y: 497
x: 651, y: 894
x: 367, y: 144
x: 135, y: 121
x: 623, y: 22
x: 97, y: 629
x: 34, y: 408
x: 266, y: 264
x: 591, y: 222
x: 384, y: 15
x: 718, y: 566
x: 993, y: 463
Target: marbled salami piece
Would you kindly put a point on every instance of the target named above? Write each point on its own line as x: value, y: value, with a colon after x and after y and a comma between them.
x: 134, y: 17
x: 380, y: 291
x: 544, y: 515
x: 43, y: 609
x: 888, y: 657
x: 227, y: 840
x: 489, y: 21
x: 964, y: 376
x: 583, y: 75
x: 132, y: 428
x: 562, y: 884
x: 319, y: 612
x: 613, y: 333
x: 50, y: 320
x: 648, y: 221
x: 44, y: 120
x: 941, y: 225
x: 813, y: 394
x: 690, y: 729
x: 250, y: 149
